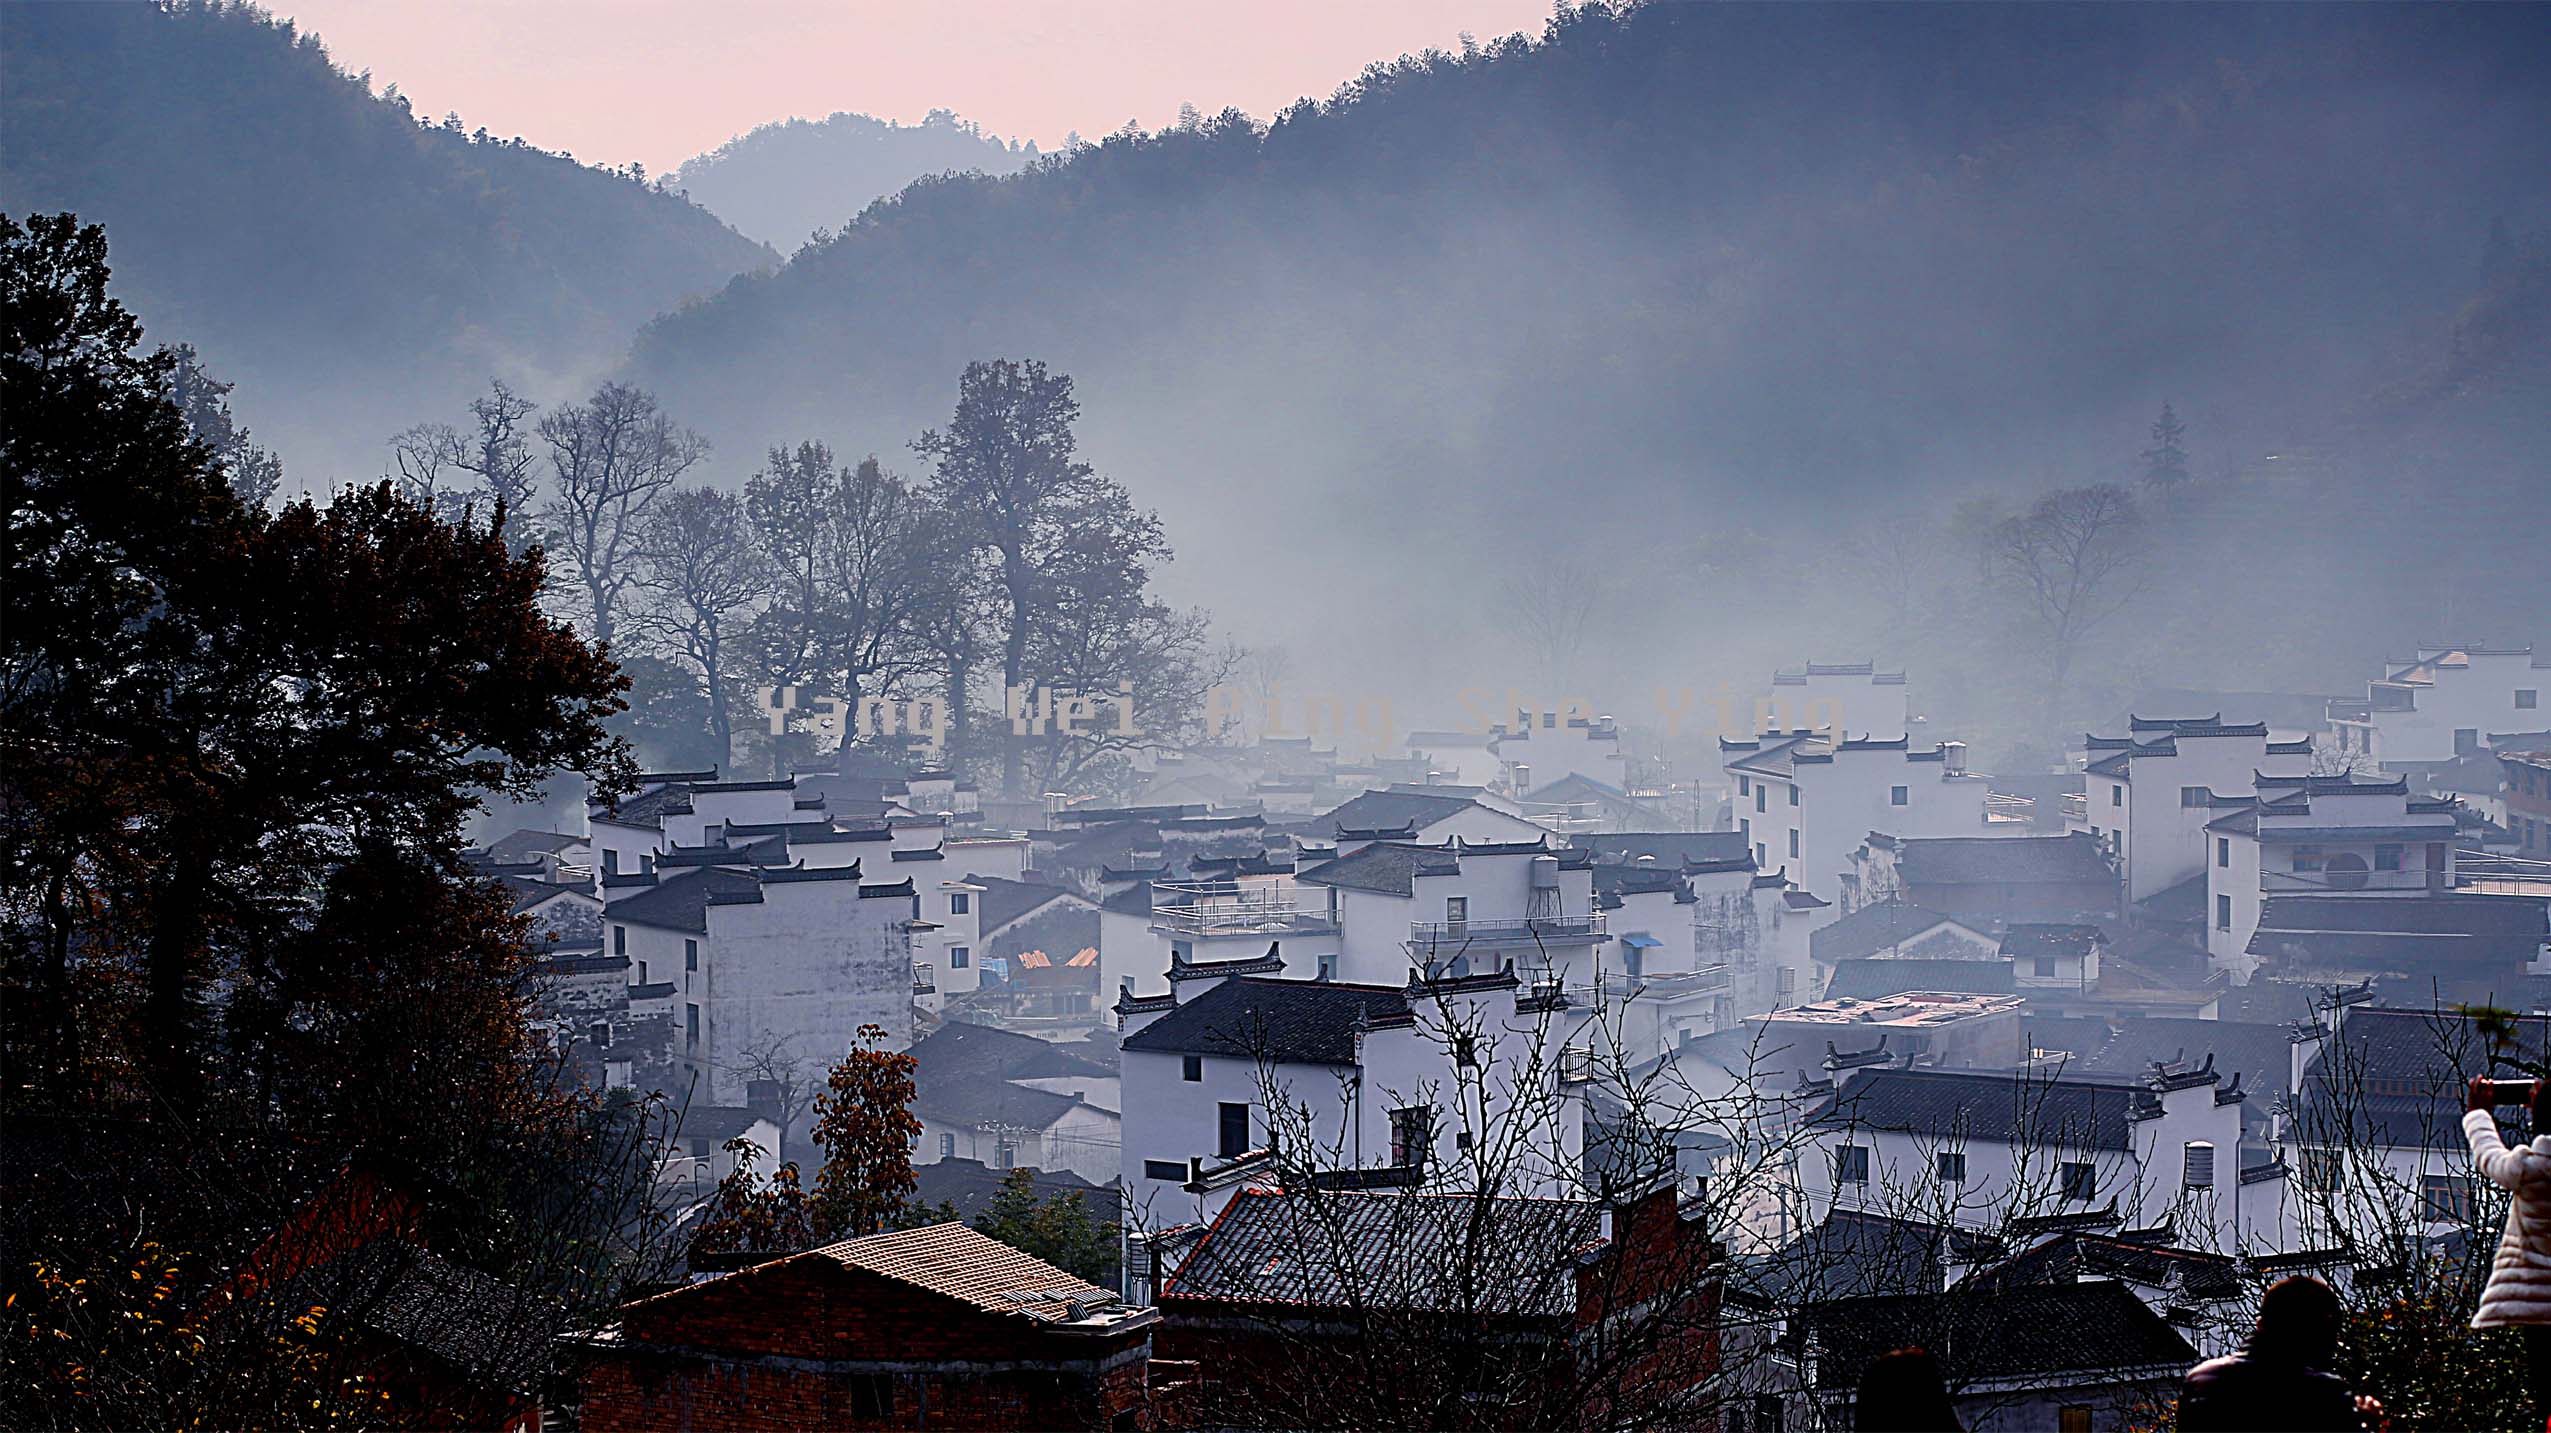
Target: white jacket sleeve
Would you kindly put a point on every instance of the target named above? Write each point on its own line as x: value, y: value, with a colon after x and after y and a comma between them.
x: 2503, y: 1166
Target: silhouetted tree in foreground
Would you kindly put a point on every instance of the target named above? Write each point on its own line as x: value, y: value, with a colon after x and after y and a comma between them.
x: 241, y: 961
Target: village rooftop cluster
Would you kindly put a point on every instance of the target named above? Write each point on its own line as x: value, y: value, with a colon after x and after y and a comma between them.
x: 1849, y: 1040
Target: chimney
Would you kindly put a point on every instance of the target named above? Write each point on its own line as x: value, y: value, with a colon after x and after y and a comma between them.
x: 762, y: 1098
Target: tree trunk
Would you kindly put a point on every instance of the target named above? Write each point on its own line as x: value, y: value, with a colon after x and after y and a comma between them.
x: 170, y: 965
x: 721, y: 721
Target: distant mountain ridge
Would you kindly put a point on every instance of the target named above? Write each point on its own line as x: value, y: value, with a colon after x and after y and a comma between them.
x: 782, y: 182
x: 351, y: 269
x: 1664, y: 280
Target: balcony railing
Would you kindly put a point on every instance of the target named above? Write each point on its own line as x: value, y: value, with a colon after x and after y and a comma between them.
x: 1448, y: 936
x: 1713, y: 979
x: 1222, y: 908
x: 1578, y: 1065
x: 2276, y: 883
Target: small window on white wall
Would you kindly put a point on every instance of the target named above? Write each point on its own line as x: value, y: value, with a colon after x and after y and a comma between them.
x: 2196, y: 1165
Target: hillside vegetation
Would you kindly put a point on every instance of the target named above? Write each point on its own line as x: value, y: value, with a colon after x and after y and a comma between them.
x: 784, y: 181
x: 339, y: 259
x: 1661, y: 297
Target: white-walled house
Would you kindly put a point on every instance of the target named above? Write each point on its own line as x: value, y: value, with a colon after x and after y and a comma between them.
x: 2148, y: 795
x: 1696, y: 947
x: 1411, y: 1083
x: 1459, y: 758
x: 748, y: 959
x: 2443, y: 703
x: 1834, y: 698
x: 2371, y: 1135
x: 2318, y: 835
x: 1977, y: 1148
x: 1423, y: 815
x: 1540, y: 748
x: 1805, y: 802
x: 1007, y: 1100
x: 1462, y: 907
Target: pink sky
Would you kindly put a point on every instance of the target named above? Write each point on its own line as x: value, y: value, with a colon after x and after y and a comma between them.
x: 661, y: 80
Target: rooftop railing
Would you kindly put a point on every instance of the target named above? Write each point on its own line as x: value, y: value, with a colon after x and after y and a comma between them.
x: 1533, y: 931
x: 1213, y: 908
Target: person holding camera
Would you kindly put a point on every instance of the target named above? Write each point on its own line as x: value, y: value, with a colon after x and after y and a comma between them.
x: 2518, y: 1294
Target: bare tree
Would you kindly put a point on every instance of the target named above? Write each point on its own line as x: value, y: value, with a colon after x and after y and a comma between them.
x: 875, y: 539
x: 701, y: 579
x: 614, y: 455
x: 499, y: 454
x: 773, y: 1061
x: 1554, y: 605
x: 2072, y: 562
x: 425, y: 462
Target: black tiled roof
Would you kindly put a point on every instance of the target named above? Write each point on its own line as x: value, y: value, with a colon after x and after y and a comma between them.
x: 681, y: 902
x: 1989, y: 1107
x: 2397, y: 1076
x: 1999, y: 860
x: 2182, y: 904
x: 1286, y: 1021
x: 2402, y: 933
x: 960, y: 1048
x: 1004, y: 901
x: 1501, y: 1256
x: 2036, y: 938
x: 525, y: 893
x: 1851, y: 1255
x: 2087, y: 1330
x: 1885, y: 925
x: 1389, y: 810
x: 528, y: 841
x: 485, y: 1333
x: 1386, y: 867
x: 2071, y: 1256
x: 647, y: 808
x: 976, y: 1099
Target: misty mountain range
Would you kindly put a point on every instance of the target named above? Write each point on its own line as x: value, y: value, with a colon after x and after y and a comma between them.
x: 784, y: 181
x: 1667, y: 302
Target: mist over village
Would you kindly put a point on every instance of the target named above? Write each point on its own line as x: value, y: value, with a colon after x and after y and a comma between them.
x: 1100, y: 714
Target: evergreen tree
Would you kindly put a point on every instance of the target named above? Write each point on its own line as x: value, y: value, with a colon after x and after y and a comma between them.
x: 2166, y: 461
x: 1060, y: 1230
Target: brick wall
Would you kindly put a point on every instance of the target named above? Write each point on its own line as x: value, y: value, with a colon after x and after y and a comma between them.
x: 810, y: 1344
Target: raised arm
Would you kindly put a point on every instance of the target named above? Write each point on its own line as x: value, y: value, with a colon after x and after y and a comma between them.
x: 2502, y: 1166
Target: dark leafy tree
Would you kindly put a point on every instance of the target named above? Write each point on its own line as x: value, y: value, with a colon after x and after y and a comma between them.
x: 865, y: 1128
x: 255, y: 474
x: 751, y: 1214
x: 240, y: 748
x: 1060, y: 1229
x: 1059, y: 545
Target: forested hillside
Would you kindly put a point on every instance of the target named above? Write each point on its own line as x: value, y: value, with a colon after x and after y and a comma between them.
x: 1669, y: 301
x: 337, y: 259
x: 785, y: 180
